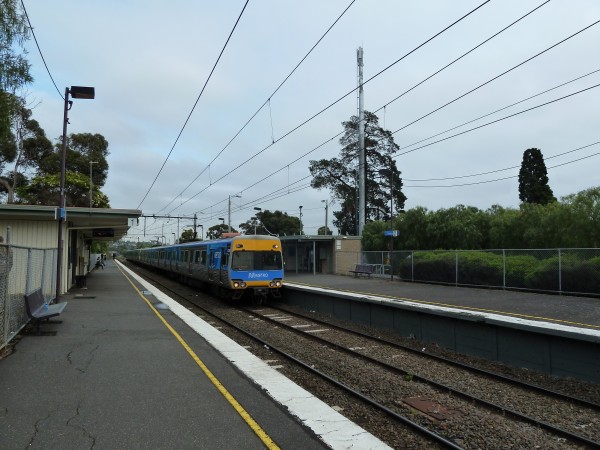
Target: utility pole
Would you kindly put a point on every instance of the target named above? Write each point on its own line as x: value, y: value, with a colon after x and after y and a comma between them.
x: 362, y: 202
x: 229, y: 213
x: 326, y: 210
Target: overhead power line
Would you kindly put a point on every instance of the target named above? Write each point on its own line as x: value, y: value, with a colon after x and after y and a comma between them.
x: 335, y: 102
x: 463, y: 55
x: 195, y: 103
x: 496, y: 77
x: 40, y: 50
x: 501, y: 109
x: 500, y: 179
x: 496, y: 121
x: 422, y: 180
x: 262, y: 106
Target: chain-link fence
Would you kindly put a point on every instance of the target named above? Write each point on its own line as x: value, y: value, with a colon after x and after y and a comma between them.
x: 22, y: 271
x: 568, y: 271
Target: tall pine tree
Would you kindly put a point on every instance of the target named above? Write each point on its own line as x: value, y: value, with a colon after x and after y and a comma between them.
x: 533, y: 179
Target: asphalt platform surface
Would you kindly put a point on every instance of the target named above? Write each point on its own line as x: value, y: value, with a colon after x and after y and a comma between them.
x: 114, y: 377
x: 566, y: 310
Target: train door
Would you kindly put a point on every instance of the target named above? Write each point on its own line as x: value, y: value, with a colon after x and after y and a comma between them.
x: 214, y: 264
x: 224, y: 269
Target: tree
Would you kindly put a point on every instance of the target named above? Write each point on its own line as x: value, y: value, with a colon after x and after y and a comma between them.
x: 82, y: 149
x: 324, y: 231
x: 14, y: 68
x: 533, y: 179
x: 216, y: 231
x: 29, y: 148
x: 188, y: 235
x: 340, y: 175
x: 275, y: 223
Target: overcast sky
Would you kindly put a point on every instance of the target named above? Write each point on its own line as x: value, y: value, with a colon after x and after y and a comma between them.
x: 149, y: 60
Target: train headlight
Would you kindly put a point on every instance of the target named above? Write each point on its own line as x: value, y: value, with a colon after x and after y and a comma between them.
x: 238, y: 284
x: 275, y: 283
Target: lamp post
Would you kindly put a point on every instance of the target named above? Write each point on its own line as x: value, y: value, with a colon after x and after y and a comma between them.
x: 82, y: 92
x: 229, y: 212
x: 91, y: 182
x: 300, y: 207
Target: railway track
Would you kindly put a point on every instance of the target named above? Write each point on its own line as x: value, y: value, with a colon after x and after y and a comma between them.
x: 510, y: 392
x: 389, y: 379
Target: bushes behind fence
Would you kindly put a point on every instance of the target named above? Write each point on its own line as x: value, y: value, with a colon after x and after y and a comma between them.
x: 576, y: 271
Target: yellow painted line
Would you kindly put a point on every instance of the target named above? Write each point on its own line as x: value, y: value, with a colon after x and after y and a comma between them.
x: 446, y: 305
x: 254, y: 426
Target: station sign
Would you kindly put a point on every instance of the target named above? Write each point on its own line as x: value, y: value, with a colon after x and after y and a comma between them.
x: 103, y: 232
x: 394, y: 233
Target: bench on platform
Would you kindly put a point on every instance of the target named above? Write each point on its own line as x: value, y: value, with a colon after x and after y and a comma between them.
x: 38, y: 309
x: 362, y: 269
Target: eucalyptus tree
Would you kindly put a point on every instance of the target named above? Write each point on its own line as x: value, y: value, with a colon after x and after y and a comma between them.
x: 340, y: 175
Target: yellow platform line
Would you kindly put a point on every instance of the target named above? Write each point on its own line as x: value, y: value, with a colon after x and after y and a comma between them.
x: 254, y: 426
x: 446, y: 305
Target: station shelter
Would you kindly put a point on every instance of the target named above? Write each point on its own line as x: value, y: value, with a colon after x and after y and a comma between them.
x: 324, y: 254
x: 36, y: 227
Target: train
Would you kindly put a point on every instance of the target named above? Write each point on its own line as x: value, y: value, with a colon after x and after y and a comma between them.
x: 232, y: 267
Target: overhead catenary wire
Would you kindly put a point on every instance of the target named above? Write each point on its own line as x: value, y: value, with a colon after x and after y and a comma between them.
x: 500, y: 179
x: 469, y: 130
x: 495, y: 121
x: 194, y: 106
x: 338, y: 100
x: 463, y: 55
x: 501, y: 109
x: 497, y: 76
x: 268, y: 101
x: 512, y: 115
x: 472, y: 129
x: 422, y: 180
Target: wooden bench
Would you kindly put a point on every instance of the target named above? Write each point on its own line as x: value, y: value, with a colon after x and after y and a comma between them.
x: 362, y: 269
x: 38, y: 309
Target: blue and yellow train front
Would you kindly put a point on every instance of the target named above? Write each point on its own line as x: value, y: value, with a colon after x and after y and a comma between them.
x: 256, y: 264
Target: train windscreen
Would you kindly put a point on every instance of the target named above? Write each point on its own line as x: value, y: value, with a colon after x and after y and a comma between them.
x: 256, y: 260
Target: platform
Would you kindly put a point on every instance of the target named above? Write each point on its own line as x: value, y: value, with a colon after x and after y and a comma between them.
x: 129, y: 368
x: 557, y: 335
x: 582, y: 312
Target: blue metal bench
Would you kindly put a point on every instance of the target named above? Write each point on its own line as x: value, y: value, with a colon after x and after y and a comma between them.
x: 38, y: 309
x: 362, y: 269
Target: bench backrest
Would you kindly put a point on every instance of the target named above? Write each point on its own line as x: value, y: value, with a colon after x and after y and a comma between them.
x: 34, y: 301
x: 364, y: 268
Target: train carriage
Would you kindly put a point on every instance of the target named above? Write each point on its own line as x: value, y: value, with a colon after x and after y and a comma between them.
x: 233, y: 267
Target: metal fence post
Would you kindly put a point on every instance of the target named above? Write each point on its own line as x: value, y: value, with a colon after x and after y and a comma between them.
x: 503, y: 269
x: 412, y: 265
x: 28, y: 272
x: 559, y: 272
x: 456, y: 268
x: 4, y: 293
